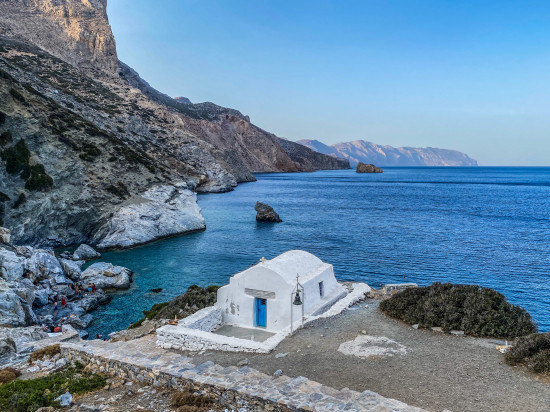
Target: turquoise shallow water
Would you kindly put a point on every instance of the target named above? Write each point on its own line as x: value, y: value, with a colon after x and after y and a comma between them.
x: 486, y: 226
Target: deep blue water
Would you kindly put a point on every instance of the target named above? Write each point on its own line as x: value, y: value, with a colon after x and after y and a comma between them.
x: 486, y: 226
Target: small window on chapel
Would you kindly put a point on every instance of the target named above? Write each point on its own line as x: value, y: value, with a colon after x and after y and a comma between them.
x: 321, y: 289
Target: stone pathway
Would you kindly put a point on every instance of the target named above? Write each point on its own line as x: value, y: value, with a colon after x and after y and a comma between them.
x: 143, y: 361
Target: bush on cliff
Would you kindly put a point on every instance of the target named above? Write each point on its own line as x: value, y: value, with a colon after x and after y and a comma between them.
x: 194, y: 299
x: 16, y: 157
x: 533, y: 351
x: 38, y: 179
x: 477, y: 311
x: 32, y: 394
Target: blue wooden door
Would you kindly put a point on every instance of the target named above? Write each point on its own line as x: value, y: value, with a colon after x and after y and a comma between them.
x: 261, y: 312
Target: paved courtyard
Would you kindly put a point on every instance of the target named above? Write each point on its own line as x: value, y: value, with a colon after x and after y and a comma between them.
x: 426, y: 369
x: 256, y: 335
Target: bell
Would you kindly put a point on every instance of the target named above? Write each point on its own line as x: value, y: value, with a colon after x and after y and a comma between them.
x: 297, y: 300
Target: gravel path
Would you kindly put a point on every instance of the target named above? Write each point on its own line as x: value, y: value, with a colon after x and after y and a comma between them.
x: 436, y: 372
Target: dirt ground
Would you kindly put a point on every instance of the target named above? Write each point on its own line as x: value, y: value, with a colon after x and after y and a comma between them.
x: 427, y: 369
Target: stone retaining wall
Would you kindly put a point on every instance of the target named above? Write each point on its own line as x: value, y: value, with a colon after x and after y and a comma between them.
x: 231, y: 387
x: 228, y: 398
x: 206, y: 319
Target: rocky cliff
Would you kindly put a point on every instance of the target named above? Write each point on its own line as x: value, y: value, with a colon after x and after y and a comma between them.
x: 85, y: 142
x: 76, y: 31
x: 361, y: 151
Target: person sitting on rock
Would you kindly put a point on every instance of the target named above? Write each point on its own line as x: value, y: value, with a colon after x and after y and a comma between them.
x: 57, y: 329
x: 90, y: 289
x: 93, y: 287
x: 55, y: 308
x: 63, y: 301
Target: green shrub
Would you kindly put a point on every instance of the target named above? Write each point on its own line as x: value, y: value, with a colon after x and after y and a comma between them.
x: 475, y: 310
x: 119, y: 190
x: 38, y: 179
x: 5, y: 138
x: 90, y: 152
x: 16, y: 157
x: 194, y: 299
x: 20, y: 200
x: 17, y: 96
x: 32, y: 394
x: 532, y: 351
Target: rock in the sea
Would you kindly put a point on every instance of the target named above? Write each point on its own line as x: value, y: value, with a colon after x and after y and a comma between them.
x: 4, y: 235
x: 265, y: 213
x: 85, y: 252
x: 106, y: 275
x: 161, y: 211
x: 91, y: 302
x: 367, y: 168
x: 80, y: 322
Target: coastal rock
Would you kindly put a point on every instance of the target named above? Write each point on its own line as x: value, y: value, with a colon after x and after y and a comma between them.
x: 23, y: 335
x: 91, y: 301
x: 85, y: 252
x: 24, y: 251
x: 265, y: 213
x: 4, y: 235
x: 15, y: 310
x: 11, y: 265
x: 43, y: 265
x: 42, y: 296
x: 7, y: 346
x: 367, y: 168
x: 159, y: 212
x: 106, y: 275
x: 72, y: 268
x: 80, y: 322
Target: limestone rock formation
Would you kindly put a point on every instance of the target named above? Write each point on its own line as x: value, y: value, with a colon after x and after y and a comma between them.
x: 72, y: 268
x: 367, y: 152
x: 107, y: 276
x: 76, y: 31
x: 85, y: 252
x: 265, y: 213
x: 4, y: 235
x: 31, y: 279
x: 367, y: 168
x: 159, y: 212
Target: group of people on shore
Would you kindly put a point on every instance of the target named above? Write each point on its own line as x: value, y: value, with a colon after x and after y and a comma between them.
x: 62, y: 301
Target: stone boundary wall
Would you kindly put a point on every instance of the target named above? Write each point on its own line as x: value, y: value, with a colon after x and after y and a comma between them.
x: 194, y: 332
x: 231, y: 387
x: 228, y: 398
x: 207, y: 319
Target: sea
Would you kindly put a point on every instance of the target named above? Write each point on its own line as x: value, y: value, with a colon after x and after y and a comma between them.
x: 488, y: 226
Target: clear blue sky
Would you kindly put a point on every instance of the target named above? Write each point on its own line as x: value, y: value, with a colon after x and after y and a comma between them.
x: 467, y: 75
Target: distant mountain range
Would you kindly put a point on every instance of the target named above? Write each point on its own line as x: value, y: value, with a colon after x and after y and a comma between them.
x: 368, y: 152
